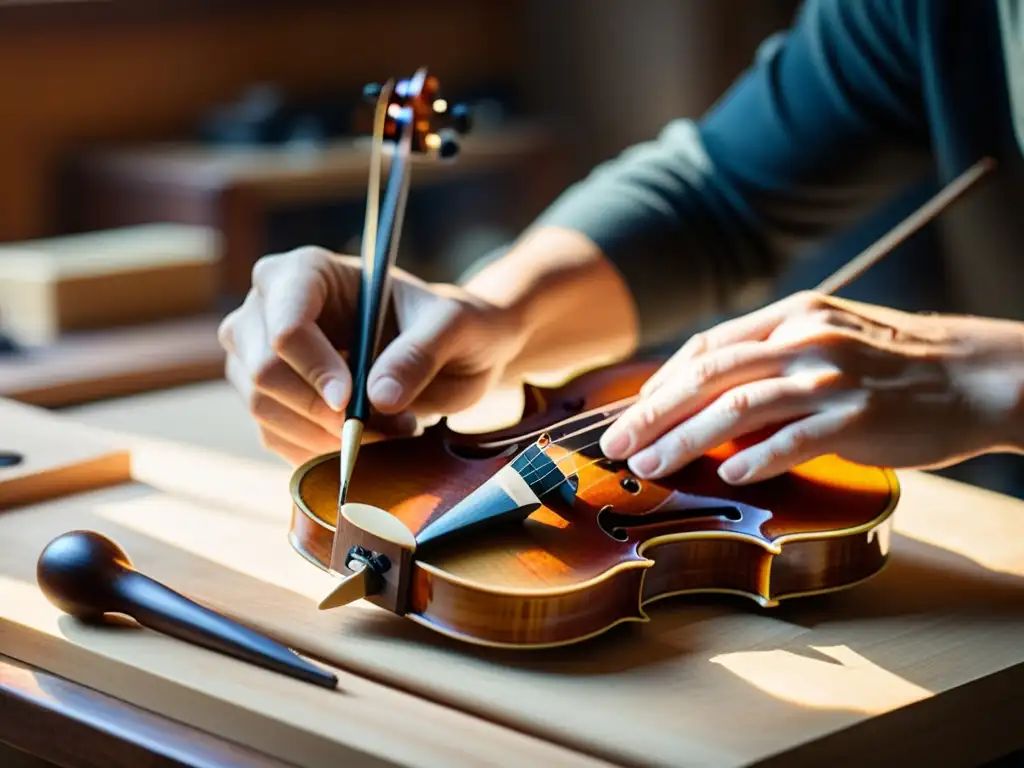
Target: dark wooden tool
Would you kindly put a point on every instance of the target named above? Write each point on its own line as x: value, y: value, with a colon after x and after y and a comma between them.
x: 529, y: 537
x: 86, y: 575
x: 413, y: 115
x: 10, y: 459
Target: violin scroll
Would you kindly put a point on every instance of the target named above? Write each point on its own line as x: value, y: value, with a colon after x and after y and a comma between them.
x: 437, y: 124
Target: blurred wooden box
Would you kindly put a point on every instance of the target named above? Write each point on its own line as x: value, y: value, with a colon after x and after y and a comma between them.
x: 106, y: 279
x: 236, y: 190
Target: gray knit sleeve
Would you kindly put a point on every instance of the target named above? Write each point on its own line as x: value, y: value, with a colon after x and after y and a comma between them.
x: 657, y: 213
x: 826, y: 124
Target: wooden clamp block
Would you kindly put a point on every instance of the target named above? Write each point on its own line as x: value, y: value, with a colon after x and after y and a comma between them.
x: 106, y: 279
x: 47, y: 457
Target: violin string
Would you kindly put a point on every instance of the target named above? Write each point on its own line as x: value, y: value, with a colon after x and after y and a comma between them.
x: 617, y: 404
x: 576, y: 470
x: 611, y: 409
x: 951, y: 192
x: 556, y: 467
x: 572, y: 451
x: 556, y: 464
x: 608, y: 419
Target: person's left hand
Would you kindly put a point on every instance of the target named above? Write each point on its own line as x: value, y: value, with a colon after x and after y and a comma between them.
x: 875, y: 386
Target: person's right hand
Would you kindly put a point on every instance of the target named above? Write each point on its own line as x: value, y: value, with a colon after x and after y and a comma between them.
x: 441, y: 350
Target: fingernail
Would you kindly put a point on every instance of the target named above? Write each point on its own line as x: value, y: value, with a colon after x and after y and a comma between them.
x: 386, y: 391
x: 334, y: 395
x: 734, y: 471
x: 615, y: 444
x: 644, y: 463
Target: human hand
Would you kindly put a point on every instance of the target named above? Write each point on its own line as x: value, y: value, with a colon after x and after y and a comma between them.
x: 442, y: 349
x: 872, y: 385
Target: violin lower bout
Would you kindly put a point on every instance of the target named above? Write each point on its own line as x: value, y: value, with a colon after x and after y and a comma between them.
x: 709, y: 562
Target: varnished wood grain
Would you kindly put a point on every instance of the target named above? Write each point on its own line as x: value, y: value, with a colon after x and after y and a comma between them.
x: 561, y: 577
x: 920, y: 666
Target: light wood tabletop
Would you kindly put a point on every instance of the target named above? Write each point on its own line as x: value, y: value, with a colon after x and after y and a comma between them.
x: 922, y: 665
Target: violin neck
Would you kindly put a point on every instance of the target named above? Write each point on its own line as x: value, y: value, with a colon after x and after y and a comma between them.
x: 375, y: 290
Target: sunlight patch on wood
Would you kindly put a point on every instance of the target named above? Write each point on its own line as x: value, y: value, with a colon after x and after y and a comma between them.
x: 852, y: 682
x: 25, y: 601
x: 253, y: 547
x: 994, y: 541
x: 259, y: 488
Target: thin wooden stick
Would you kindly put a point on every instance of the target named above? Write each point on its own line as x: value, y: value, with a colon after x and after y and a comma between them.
x: 932, y: 208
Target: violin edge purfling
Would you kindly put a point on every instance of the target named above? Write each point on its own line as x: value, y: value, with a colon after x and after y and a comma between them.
x: 846, y: 549
x: 828, y: 556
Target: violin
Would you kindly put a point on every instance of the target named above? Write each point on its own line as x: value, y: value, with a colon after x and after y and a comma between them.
x: 528, y: 537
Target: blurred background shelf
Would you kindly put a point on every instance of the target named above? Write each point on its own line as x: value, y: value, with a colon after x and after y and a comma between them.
x: 266, y: 199
x: 86, y: 366
x: 243, y: 118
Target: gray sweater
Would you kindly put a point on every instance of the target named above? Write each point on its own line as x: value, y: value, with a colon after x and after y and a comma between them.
x: 841, y: 127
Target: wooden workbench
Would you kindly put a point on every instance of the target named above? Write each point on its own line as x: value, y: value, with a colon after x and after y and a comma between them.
x: 923, y: 665
x: 234, y: 189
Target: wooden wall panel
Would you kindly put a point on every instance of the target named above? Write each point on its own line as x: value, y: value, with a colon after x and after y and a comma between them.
x: 69, y: 81
x: 614, y: 72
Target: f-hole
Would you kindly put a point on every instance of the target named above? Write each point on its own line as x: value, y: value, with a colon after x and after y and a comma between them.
x: 618, y: 526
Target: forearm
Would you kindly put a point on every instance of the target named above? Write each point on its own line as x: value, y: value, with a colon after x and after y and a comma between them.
x: 986, y: 364
x: 658, y: 214
x: 571, y: 304
x: 671, y: 231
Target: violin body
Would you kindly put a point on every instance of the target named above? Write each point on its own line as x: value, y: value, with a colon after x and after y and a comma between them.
x: 593, y: 548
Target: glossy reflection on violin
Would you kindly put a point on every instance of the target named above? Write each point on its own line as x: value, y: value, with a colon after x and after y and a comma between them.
x: 552, y: 544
